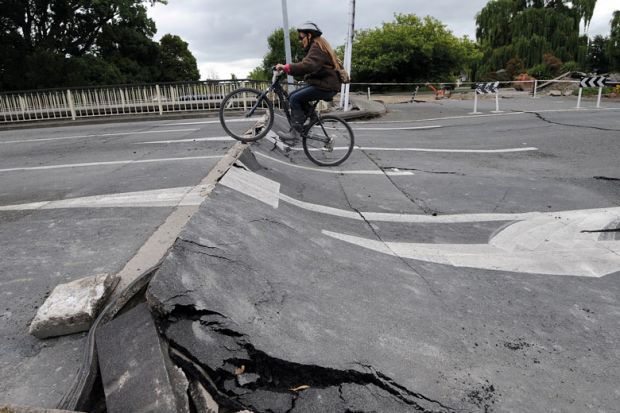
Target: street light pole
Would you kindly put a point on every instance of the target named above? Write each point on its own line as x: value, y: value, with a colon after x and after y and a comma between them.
x: 348, y: 52
x: 287, y: 38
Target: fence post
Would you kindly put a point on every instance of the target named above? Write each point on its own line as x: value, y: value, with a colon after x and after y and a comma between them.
x: 579, y: 97
x: 161, y: 109
x: 600, y: 93
x: 71, y: 104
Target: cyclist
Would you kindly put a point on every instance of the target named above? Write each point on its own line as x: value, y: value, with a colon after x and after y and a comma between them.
x: 318, y: 69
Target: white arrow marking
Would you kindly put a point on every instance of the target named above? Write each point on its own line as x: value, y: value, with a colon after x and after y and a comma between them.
x: 549, y: 243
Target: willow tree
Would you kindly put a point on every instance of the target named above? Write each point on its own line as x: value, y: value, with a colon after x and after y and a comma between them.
x: 530, y: 29
x: 614, y: 42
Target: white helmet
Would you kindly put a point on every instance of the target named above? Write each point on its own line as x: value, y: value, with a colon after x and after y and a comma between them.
x: 309, y: 27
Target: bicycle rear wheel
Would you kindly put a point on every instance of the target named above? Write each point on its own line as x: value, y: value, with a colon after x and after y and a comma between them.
x: 246, y: 115
x: 329, y: 141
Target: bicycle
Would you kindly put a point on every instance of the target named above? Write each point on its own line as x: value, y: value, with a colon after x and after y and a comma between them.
x: 320, y: 135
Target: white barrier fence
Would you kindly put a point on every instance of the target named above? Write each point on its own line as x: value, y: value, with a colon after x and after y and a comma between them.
x: 112, y: 101
x: 202, y: 96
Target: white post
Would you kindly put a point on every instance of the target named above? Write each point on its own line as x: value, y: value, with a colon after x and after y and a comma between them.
x: 535, y: 87
x: 161, y: 109
x: 600, y: 93
x: 344, y: 90
x: 71, y: 104
x: 496, y: 103
x: 579, y: 98
x: 475, y: 112
x: 368, y: 93
x: 287, y: 38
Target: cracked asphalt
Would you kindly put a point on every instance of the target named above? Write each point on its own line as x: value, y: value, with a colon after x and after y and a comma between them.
x: 470, y: 264
x: 453, y: 263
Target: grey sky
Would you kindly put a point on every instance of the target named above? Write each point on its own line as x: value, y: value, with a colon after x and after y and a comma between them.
x: 230, y: 36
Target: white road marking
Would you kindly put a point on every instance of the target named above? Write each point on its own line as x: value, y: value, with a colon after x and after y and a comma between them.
x: 214, y: 139
x: 101, y: 135
x: 334, y: 171
x: 403, y: 128
x: 253, y: 185
x: 508, y: 150
x: 158, y: 198
x: 90, y: 164
x: 546, y: 243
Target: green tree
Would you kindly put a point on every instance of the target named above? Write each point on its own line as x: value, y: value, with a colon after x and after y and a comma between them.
x: 597, y: 59
x: 528, y: 29
x: 410, y: 49
x: 176, y: 61
x: 614, y: 42
x: 275, y: 54
x: 54, y: 43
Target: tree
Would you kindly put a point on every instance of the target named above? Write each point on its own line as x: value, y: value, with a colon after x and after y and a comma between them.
x: 614, y: 42
x: 597, y: 59
x: 528, y: 29
x: 276, y: 54
x: 410, y: 49
x: 58, y: 43
x: 176, y: 61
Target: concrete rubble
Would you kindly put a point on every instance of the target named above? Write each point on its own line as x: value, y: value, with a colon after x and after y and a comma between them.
x: 136, y: 371
x: 72, y: 307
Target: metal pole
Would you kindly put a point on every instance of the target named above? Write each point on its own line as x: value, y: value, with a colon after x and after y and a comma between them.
x: 287, y: 38
x: 348, y: 52
x: 600, y: 93
x: 475, y: 112
x: 579, y: 98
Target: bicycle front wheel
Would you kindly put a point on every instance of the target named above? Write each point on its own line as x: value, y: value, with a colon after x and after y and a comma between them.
x: 329, y: 141
x: 246, y: 114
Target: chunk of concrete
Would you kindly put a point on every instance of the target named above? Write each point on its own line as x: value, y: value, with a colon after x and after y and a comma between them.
x: 136, y: 371
x: 72, y: 307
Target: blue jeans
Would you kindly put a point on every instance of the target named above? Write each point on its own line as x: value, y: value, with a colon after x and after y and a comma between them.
x: 299, y: 99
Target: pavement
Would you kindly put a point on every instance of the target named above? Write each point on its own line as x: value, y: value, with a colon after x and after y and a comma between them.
x: 455, y: 262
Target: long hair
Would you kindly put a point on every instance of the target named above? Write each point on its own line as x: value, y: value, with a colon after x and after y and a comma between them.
x: 326, y: 48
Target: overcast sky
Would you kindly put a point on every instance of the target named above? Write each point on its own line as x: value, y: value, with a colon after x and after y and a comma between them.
x: 230, y: 36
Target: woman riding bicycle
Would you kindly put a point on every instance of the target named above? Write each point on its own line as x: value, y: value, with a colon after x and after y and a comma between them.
x: 318, y: 68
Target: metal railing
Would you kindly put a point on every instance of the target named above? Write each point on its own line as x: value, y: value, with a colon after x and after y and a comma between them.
x: 116, y: 100
x: 157, y: 99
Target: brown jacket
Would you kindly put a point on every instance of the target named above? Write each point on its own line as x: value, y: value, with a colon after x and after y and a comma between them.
x: 317, y: 69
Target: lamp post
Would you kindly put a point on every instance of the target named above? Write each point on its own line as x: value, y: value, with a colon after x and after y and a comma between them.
x: 287, y: 39
x: 348, y: 51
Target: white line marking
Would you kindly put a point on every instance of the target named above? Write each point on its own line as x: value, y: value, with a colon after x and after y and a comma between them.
x: 527, y: 149
x: 83, y: 165
x: 214, y: 139
x: 158, y: 198
x: 101, y: 135
x: 332, y: 171
x: 403, y: 128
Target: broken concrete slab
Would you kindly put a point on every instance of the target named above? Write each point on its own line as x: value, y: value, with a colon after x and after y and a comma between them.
x: 135, y: 368
x: 72, y: 307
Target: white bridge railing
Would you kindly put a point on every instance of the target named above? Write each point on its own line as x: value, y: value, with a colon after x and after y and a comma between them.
x: 158, y: 99
x: 119, y: 100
